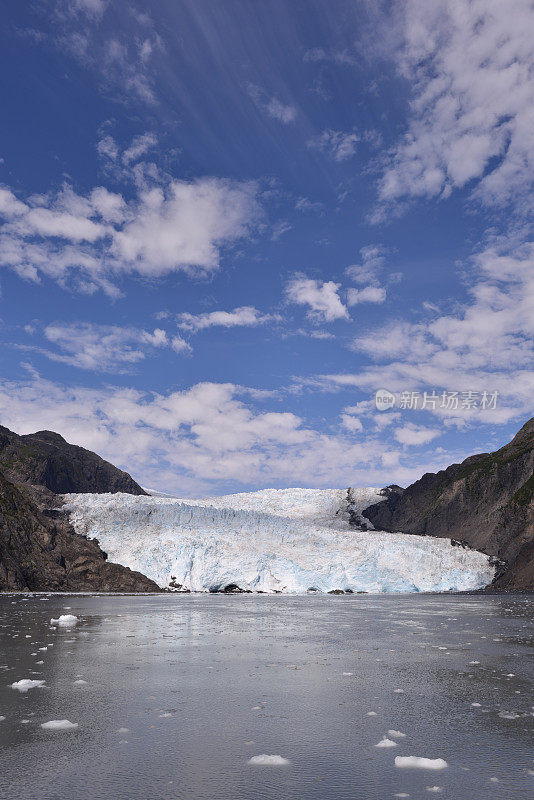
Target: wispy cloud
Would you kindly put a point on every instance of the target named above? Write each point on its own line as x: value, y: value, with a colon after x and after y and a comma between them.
x: 92, y: 238
x: 486, y: 344
x: 340, y: 145
x: 104, y: 348
x: 123, y: 55
x: 342, y: 58
x: 373, y: 258
x: 470, y: 68
x: 206, y: 436
x: 272, y: 106
x: 243, y: 317
x: 369, y: 294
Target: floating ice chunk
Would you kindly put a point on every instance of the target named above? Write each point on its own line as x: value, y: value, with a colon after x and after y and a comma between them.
x: 435, y: 789
x: 65, y: 621
x: 347, y: 674
x: 268, y: 761
x: 398, y: 691
x: 508, y: 715
x: 80, y: 682
x: 25, y: 684
x: 396, y: 734
x: 123, y: 730
x: 371, y: 714
x: 474, y: 662
x: 59, y: 725
x: 401, y: 794
x: 415, y: 762
x: 385, y: 742
x: 2, y: 719
x: 476, y: 705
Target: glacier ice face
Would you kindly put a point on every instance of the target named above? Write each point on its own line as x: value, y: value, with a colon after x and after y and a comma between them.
x: 274, y: 540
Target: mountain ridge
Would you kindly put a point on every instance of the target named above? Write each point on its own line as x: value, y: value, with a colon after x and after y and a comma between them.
x: 486, y: 501
x: 45, y: 458
x: 39, y: 549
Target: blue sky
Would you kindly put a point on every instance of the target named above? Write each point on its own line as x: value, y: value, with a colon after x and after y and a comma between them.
x: 224, y: 226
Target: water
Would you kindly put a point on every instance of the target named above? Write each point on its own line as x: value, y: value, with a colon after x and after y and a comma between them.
x: 204, y: 683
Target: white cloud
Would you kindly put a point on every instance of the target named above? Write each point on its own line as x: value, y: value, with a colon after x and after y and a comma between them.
x: 184, y: 226
x: 180, y: 226
x: 373, y: 259
x: 93, y: 8
x: 107, y: 147
x: 104, y: 348
x: 304, y: 204
x: 202, y: 439
x: 245, y: 316
x: 123, y: 56
x: 339, y: 57
x: 397, y: 339
x: 321, y: 297
x: 415, y: 435
x: 341, y: 145
x: 180, y: 345
x: 486, y: 345
x: 370, y: 294
x: 472, y: 110
x: 352, y: 424
x: 139, y: 147
x: 280, y: 111
x: 273, y: 106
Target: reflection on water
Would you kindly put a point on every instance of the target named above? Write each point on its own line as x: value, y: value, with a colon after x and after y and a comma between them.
x: 181, y: 691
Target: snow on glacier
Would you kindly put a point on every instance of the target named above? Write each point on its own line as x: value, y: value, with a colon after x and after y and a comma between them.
x: 274, y: 540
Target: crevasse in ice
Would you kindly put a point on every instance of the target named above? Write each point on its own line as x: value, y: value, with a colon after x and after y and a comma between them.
x: 274, y: 540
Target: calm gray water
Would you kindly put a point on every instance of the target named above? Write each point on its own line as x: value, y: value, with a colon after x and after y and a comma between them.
x: 204, y: 683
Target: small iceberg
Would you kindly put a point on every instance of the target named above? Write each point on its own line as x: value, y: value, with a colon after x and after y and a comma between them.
x: 415, y: 762
x: 59, y: 725
x: 25, y: 684
x: 268, y: 761
x: 65, y: 621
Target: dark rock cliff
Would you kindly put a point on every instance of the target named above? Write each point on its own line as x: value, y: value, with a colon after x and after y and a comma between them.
x: 39, y: 549
x: 487, y: 502
x: 46, y: 459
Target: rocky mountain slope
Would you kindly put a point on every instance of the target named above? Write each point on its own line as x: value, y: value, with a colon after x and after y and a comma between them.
x: 487, y: 502
x: 39, y: 549
x: 46, y: 459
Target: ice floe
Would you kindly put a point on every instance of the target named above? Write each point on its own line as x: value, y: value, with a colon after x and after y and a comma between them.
x: 65, y: 621
x: 59, y: 725
x: 268, y: 761
x: 416, y: 762
x: 385, y: 742
x: 25, y: 684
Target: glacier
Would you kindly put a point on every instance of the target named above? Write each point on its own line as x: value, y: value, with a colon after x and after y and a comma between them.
x: 274, y: 540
